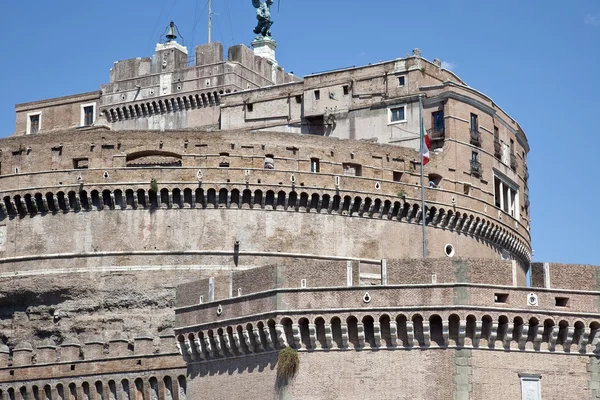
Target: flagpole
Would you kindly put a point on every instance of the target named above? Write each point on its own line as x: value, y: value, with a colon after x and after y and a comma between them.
x: 422, y: 141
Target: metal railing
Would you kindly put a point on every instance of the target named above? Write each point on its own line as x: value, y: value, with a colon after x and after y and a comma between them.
x: 475, y: 137
x: 476, y: 168
x: 436, y: 133
x: 497, y: 150
x: 513, y: 162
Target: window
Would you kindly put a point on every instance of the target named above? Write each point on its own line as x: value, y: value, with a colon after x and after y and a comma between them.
x: 561, y: 301
x: 88, y: 114
x: 500, y: 297
x: 530, y: 386
x: 249, y: 107
x: 397, y: 176
x: 401, y: 81
x: 317, y: 94
x: 346, y: 89
x: 34, y: 123
x: 474, y: 156
x: 474, y: 123
x: 437, y: 132
x: 298, y: 99
x: 397, y: 114
x: 314, y: 165
x: 506, y: 195
x: 497, y: 146
x: 269, y: 161
x: 80, y: 163
x: 352, y: 169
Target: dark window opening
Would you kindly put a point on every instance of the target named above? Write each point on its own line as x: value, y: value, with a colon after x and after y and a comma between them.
x: 80, y: 163
x: 437, y: 132
x: 401, y: 81
x: 317, y: 94
x: 34, y: 124
x: 298, y: 99
x: 224, y: 164
x: 88, y: 115
x: 315, y: 125
x: 561, y: 301
x: 397, y: 114
x: 397, y: 176
x: 435, y: 180
x: 474, y: 124
x: 500, y: 297
x: 346, y: 89
x: 249, y: 107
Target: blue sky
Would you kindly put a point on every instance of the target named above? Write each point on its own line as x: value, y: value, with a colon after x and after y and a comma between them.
x: 539, y: 60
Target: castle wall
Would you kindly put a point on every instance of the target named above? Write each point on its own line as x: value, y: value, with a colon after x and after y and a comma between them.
x: 386, y: 189
x: 414, y: 374
x: 139, y: 232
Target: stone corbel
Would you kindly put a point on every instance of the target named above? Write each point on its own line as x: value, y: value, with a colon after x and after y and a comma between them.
x: 344, y: 328
x: 377, y: 334
x: 393, y: 334
x: 281, y: 335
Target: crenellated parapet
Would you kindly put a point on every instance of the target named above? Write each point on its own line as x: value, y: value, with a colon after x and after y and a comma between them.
x: 92, y: 348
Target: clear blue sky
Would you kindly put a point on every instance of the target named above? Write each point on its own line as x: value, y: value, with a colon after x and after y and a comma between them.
x: 539, y: 60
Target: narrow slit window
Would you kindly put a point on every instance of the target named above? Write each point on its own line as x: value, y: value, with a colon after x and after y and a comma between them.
x: 317, y: 94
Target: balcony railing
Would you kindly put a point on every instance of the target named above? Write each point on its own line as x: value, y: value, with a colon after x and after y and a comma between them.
x: 436, y: 133
x: 476, y: 168
x: 497, y: 150
x: 513, y: 162
x: 475, y: 137
x: 525, y: 172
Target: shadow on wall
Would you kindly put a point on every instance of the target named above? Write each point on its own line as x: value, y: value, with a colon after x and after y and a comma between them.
x: 256, y: 363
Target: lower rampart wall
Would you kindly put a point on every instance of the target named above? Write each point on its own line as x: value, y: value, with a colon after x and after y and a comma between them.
x: 441, y: 374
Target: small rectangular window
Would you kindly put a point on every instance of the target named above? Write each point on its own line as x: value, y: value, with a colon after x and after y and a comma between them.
x: 298, y: 99
x: 249, y: 107
x: 474, y: 123
x: 34, y: 124
x: 346, y: 89
x: 80, y: 163
x: 88, y: 115
x: 561, y: 301
x: 352, y: 169
x: 401, y: 81
x: 397, y: 114
x: 474, y: 156
x: 397, y: 176
x: 317, y: 94
x: 501, y: 297
x: 314, y: 165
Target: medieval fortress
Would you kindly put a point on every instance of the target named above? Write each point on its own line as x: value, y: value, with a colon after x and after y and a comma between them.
x: 165, y: 236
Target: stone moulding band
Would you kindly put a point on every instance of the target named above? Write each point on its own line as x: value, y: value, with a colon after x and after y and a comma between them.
x: 383, y: 208
x: 184, y: 252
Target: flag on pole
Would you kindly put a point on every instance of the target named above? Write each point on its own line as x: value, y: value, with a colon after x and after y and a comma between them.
x: 425, y: 144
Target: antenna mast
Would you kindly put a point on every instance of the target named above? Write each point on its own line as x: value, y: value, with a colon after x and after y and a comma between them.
x: 210, y: 13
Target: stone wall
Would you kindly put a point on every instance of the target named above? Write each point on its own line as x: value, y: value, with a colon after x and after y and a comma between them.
x: 227, y: 171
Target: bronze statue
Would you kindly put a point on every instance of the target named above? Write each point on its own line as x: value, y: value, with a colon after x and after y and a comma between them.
x: 263, y: 15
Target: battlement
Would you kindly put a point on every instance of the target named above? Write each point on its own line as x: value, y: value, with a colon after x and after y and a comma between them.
x: 86, y: 349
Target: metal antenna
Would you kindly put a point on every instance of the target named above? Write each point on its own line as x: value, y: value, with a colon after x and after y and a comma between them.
x: 210, y: 13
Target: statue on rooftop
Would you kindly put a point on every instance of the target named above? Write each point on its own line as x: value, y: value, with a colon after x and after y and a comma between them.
x: 263, y: 15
